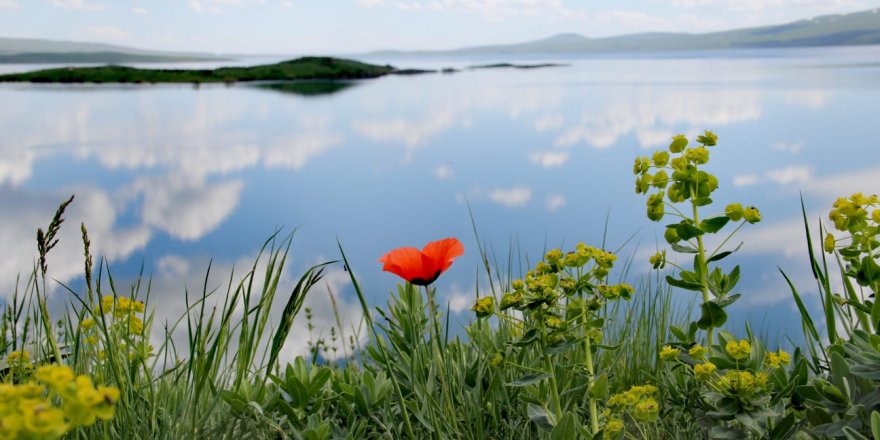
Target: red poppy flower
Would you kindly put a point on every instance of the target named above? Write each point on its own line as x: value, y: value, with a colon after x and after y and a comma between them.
x: 422, y: 267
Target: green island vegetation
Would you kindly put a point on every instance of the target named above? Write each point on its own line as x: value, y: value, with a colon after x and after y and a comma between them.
x: 566, y: 348
x: 306, y: 68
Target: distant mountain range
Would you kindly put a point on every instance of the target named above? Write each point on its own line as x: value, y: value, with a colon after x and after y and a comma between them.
x: 860, y: 28
x: 33, y: 50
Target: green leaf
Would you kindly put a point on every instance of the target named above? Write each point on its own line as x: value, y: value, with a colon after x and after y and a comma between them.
x: 714, y: 224
x: 674, y: 282
x: 721, y: 255
x: 235, y: 401
x: 703, y: 201
x: 875, y: 425
x: 728, y: 300
x: 679, y: 333
x: 687, y: 231
x: 713, y: 316
x: 531, y: 335
x: 852, y: 434
x: 600, y: 387
x: 782, y: 429
x: 683, y: 249
x: 543, y: 418
x: 566, y: 429
x: 528, y: 379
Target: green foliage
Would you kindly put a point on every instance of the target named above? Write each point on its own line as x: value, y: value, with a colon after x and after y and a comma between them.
x: 309, y: 68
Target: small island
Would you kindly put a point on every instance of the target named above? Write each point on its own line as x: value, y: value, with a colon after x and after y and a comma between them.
x: 306, y: 68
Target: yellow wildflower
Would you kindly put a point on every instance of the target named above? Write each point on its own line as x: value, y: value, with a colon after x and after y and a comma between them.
x: 704, y: 371
x: 668, y: 353
x: 739, y: 350
x: 697, y: 351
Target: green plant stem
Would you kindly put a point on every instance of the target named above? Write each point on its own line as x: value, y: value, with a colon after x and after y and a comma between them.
x: 704, y: 270
x: 548, y: 368
x: 594, y: 410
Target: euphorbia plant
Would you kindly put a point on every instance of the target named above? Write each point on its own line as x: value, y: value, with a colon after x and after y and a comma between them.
x: 678, y: 179
x: 559, y: 306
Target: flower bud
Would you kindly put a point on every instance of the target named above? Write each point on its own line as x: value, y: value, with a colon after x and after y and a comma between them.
x: 734, y: 212
x: 751, y: 214
x: 679, y: 142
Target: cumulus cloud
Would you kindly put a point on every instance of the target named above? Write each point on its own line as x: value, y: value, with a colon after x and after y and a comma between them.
x: 93, y: 207
x: 790, y: 174
x: 409, y: 132
x: 549, y: 159
x: 787, y: 147
x: 187, y: 209
x: 649, y: 115
x: 78, y: 4
x: 746, y: 179
x: 555, y: 202
x: 444, y: 171
x: 549, y: 123
x: 511, y: 197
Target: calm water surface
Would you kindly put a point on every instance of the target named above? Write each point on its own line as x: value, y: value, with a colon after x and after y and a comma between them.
x: 172, y: 177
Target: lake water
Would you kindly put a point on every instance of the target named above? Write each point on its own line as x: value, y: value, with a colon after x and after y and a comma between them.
x: 171, y: 177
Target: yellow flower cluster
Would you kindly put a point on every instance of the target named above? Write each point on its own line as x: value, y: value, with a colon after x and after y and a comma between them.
x: 484, y: 307
x: 638, y: 401
x: 698, y: 351
x: 739, y: 350
x: 851, y: 213
x: 704, y: 371
x: 19, y: 360
x: 28, y: 411
x: 552, y: 277
x: 775, y: 360
x: 120, y: 315
x: 121, y: 306
x: 742, y: 383
x: 668, y: 353
x: 686, y: 180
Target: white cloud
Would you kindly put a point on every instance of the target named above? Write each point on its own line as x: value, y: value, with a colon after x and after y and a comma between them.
x: 511, y: 197
x: 411, y: 133
x: 93, y: 207
x: 838, y: 185
x: 370, y: 3
x: 185, y: 208
x: 549, y: 123
x: 140, y: 11
x: 555, y: 202
x: 650, y: 114
x: 746, y: 180
x: 444, y: 171
x: 8, y: 4
x: 549, y: 159
x: 811, y: 99
x: 787, y: 147
x: 78, y: 4
x: 790, y: 174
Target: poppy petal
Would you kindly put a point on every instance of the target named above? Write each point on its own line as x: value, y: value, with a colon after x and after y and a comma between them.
x: 403, y: 262
x: 443, y: 252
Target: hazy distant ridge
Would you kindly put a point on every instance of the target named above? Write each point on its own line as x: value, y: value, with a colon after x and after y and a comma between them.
x: 34, y: 50
x: 858, y: 28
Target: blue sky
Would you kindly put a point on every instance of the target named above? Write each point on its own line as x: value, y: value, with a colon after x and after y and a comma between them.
x: 344, y: 26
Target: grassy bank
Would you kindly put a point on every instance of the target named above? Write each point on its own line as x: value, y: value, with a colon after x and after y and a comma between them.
x: 569, y: 349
